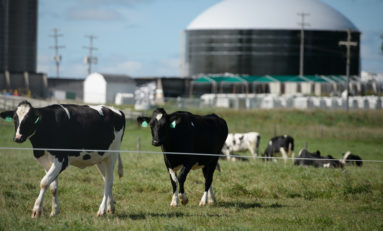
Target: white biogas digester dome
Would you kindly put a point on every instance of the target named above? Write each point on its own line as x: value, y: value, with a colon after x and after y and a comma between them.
x: 271, y: 14
x: 263, y: 37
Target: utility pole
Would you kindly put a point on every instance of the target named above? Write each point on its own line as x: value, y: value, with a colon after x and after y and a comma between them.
x: 182, y: 34
x: 381, y: 47
x: 57, y: 58
x: 348, y: 45
x: 90, y: 59
x: 302, y: 48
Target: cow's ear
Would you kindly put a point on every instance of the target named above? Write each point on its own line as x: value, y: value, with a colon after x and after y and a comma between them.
x: 7, y: 115
x: 143, y: 121
x: 173, y: 124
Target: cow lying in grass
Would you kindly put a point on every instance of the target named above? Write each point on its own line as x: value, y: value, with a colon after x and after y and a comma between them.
x: 70, y: 127
x: 236, y: 142
x: 305, y: 158
x: 184, y: 132
x: 351, y: 159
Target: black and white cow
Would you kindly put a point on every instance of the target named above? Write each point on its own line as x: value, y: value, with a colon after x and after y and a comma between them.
x: 305, y: 158
x: 280, y: 144
x: 184, y: 132
x: 71, y: 127
x: 241, y: 142
x: 351, y: 159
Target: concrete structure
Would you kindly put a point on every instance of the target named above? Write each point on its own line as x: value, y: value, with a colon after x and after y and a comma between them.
x: 262, y: 37
x: 66, y: 88
x: 172, y: 86
x: 103, y: 88
x: 28, y: 84
x: 270, y: 101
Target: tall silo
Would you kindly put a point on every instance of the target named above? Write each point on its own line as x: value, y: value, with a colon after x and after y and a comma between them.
x: 18, y: 35
x: 262, y: 37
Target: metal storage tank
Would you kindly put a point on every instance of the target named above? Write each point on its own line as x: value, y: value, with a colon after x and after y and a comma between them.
x: 262, y: 37
x: 18, y: 35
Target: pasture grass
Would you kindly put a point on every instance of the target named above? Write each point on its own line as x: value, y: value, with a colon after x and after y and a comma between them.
x: 251, y: 195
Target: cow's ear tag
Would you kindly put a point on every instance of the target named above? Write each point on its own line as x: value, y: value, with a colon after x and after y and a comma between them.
x: 173, y: 124
x: 144, y: 124
x: 37, y: 120
x: 8, y: 119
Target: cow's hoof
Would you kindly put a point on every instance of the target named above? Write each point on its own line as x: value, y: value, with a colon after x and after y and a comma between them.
x: 174, y: 204
x: 110, y: 211
x: 202, y: 203
x: 36, y: 213
x: 54, y: 213
x: 101, y: 213
x: 211, y: 202
x: 183, y: 199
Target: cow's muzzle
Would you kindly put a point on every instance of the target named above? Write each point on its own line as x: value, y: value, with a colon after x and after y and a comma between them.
x: 19, y: 139
x: 156, y: 143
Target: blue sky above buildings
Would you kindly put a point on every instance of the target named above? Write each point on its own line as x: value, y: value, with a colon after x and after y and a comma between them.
x: 142, y: 37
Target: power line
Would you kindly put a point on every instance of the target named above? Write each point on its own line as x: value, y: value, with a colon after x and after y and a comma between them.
x: 90, y: 59
x: 302, y: 48
x: 57, y: 58
x: 348, y: 43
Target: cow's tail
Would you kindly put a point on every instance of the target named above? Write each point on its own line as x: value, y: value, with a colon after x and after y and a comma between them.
x: 120, y: 167
x: 218, y: 167
x: 257, y: 144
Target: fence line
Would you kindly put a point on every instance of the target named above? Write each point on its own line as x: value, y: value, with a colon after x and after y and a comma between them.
x: 171, y: 153
x: 11, y: 102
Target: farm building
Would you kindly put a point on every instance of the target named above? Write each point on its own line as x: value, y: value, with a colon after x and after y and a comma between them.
x: 275, y: 84
x: 105, y: 88
x: 263, y: 37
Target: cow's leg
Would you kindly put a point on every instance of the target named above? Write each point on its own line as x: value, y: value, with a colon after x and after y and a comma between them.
x: 226, y: 151
x: 181, y: 179
x: 291, y: 152
x: 107, y: 166
x: 55, y: 199
x: 284, y: 155
x: 293, y: 157
x: 50, y: 176
x: 174, y: 181
x: 257, y: 145
x: 252, y: 150
x: 211, y: 197
x: 208, y: 172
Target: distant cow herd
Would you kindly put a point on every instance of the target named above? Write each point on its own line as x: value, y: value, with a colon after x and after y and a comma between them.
x: 93, y: 136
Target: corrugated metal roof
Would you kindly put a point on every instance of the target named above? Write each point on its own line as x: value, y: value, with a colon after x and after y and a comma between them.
x: 117, y: 78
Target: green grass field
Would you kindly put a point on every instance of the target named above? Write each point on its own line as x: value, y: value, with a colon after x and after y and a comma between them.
x: 251, y: 195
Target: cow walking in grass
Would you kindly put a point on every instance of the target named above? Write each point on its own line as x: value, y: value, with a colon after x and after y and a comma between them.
x: 280, y: 144
x: 75, y: 127
x: 186, y: 133
x: 236, y: 142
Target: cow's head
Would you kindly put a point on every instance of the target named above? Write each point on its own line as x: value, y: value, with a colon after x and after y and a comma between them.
x: 26, y: 120
x: 159, y: 123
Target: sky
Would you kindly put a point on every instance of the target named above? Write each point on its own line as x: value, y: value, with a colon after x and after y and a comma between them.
x: 142, y: 37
